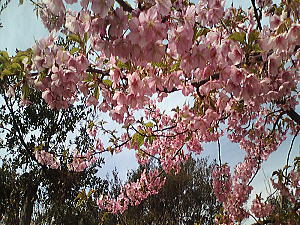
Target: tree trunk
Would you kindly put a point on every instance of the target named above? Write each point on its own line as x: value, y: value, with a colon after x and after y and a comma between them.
x: 28, y: 202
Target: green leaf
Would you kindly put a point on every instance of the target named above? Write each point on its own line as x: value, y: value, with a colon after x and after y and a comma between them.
x: 138, y: 139
x: 108, y: 82
x: 86, y: 37
x: 281, y: 29
x: 81, y: 197
x: 123, y: 65
x: 159, y: 64
x: 96, y: 93
x: 6, y: 72
x: 149, y: 124
x: 15, y: 67
x: 4, y: 54
x: 150, y: 139
x: 21, y: 2
x: 74, y: 50
x: 253, y: 36
x: 175, y: 66
x: 25, y: 90
x: 74, y: 37
x: 238, y: 36
x: 90, y: 193
x: 189, y: 137
x: 176, y: 109
x: 91, y: 124
x: 256, y: 48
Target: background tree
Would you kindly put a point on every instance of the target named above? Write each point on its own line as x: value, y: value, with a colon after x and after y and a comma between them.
x: 30, y: 190
x: 186, y: 198
x: 242, y: 79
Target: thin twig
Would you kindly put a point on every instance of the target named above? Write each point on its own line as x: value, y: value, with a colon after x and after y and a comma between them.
x: 219, y: 152
x: 290, y: 150
x: 256, y: 15
x: 125, y: 5
x: 254, y: 175
x: 276, y: 123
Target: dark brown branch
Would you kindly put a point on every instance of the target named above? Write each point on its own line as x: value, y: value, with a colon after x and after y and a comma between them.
x: 276, y: 123
x: 198, y: 84
x: 93, y: 70
x: 265, y: 222
x: 166, y: 128
x: 126, y: 7
x: 148, y: 154
x: 257, y: 17
x: 161, y: 135
x: 177, y: 152
x: 254, y: 175
x: 219, y: 152
x: 291, y: 147
x: 165, y: 90
x: 89, y: 70
x: 293, y: 115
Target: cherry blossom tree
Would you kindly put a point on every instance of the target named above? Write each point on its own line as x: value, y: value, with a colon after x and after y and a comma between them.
x: 242, y: 73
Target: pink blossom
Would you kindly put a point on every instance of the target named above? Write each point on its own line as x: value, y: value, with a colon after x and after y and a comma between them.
x: 163, y: 6
x: 260, y: 209
x: 101, y: 7
x: 55, y: 6
x: 46, y: 158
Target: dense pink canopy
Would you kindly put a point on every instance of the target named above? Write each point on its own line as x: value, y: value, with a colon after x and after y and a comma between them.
x: 242, y: 74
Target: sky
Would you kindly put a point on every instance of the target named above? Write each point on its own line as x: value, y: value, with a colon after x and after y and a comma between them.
x: 22, y: 28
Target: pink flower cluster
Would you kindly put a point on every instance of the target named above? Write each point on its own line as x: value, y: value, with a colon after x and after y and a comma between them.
x: 133, y: 193
x: 81, y: 161
x: 222, y: 182
x: 47, y: 158
x: 64, y: 73
x: 289, y: 187
x: 210, y: 11
x: 260, y: 209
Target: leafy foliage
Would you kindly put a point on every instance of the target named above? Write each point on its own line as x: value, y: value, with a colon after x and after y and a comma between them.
x: 186, y: 198
x: 31, y: 189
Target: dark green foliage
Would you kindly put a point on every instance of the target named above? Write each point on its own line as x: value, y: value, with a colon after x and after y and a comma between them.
x: 186, y: 198
x: 30, y: 191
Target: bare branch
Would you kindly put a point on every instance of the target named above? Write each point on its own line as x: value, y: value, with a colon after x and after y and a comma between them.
x: 257, y: 17
x: 126, y: 7
x: 291, y: 147
x: 219, y: 151
x: 293, y: 115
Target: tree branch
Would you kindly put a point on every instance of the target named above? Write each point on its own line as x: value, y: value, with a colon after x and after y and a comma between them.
x: 17, y: 128
x: 125, y: 5
x: 198, y: 84
x: 293, y: 115
x: 291, y: 147
x: 93, y: 70
x: 219, y: 152
x: 257, y: 17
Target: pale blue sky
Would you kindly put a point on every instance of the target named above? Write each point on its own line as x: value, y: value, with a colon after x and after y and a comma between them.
x: 22, y: 28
